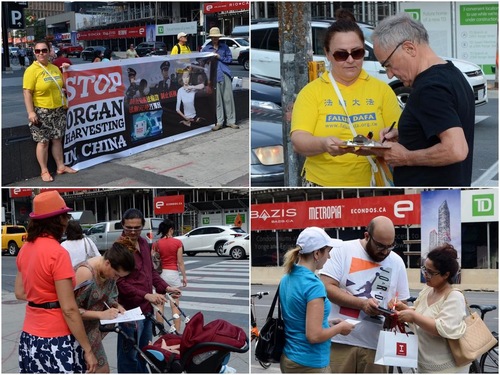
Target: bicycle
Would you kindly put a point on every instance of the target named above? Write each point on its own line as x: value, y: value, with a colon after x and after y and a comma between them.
x: 488, y: 362
x: 254, y: 332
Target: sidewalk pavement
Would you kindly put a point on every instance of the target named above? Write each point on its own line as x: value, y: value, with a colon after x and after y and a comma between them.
x: 211, y: 159
x: 13, y: 312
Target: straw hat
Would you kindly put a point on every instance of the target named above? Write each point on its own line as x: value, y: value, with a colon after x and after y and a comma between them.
x: 48, y: 204
x: 215, y: 32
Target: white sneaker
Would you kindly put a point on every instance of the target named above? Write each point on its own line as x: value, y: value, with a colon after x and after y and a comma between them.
x: 227, y: 370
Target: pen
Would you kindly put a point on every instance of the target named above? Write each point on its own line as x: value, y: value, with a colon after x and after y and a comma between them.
x: 107, y: 305
x: 392, y: 127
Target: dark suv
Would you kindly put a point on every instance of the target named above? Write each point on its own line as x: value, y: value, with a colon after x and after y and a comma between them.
x: 147, y: 47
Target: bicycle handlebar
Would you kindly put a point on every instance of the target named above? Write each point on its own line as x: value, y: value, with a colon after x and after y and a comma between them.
x: 259, y: 295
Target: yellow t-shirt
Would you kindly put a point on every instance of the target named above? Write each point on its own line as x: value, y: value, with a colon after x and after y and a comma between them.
x: 371, y: 105
x: 46, y: 93
x: 183, y: 49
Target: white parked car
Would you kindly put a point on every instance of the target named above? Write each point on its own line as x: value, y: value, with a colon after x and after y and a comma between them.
x: 237, y: 248
x: 209, y: 238
x: 265, y: 59
x: 236, y: 45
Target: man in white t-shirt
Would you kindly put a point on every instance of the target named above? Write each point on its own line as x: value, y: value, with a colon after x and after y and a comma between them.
x: 360, y: 276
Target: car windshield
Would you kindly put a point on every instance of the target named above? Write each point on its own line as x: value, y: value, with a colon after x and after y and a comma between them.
x: 242, y: 42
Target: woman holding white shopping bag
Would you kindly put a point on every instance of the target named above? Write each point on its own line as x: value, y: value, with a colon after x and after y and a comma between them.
x: 305, y: 307
x: 438, y: 313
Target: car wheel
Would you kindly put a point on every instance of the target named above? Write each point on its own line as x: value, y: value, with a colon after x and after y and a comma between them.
x: 237, y: 253
x: 13, y: 248
x: 246, y: 64
x: 190, y: 253
x: 84, y: 58
x: 219, y: 248
x: 402, y: 95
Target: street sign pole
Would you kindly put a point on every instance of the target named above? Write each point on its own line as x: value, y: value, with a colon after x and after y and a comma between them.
x: 5, y: 40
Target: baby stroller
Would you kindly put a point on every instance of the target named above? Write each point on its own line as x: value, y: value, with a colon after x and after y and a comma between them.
x: 203, y: 347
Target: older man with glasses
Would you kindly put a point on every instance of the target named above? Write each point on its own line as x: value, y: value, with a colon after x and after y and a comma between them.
x: 361, y: 276
x: 433, y: 144
x: 135, y: 290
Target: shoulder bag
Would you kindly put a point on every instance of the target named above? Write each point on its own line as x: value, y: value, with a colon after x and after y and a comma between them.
x: 272, y: 335
x: 476, y: 340
x: 381, y: 172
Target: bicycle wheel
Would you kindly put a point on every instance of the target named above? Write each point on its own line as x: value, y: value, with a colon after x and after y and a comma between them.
x: 474, y: 367
x: 489, y: 361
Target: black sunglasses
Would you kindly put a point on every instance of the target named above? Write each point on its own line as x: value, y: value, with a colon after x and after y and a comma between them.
x: 43, y: 50
x: 356, y: 54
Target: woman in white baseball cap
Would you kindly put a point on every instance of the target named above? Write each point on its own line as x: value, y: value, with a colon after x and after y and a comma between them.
x: 305, y: 312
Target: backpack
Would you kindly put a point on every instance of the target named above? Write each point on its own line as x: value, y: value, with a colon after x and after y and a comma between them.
x: 178, y: 48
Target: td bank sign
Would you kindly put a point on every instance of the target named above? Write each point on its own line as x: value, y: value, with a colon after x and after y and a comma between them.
x: 479, y: 205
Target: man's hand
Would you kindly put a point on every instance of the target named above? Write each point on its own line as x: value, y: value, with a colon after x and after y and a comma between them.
x: 370, y: 307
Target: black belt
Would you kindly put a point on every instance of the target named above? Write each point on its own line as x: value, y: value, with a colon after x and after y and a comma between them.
x: 46, y: 305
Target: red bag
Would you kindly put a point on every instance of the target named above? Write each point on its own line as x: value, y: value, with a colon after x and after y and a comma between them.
x: 218, y: 332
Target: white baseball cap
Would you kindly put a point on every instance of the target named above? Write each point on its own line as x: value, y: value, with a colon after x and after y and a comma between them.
x: 181, y: 34
x: 312, y: 239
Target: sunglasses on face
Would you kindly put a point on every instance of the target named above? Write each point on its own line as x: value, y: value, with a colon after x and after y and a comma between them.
x: 356, y: 54
x: 43, y: 50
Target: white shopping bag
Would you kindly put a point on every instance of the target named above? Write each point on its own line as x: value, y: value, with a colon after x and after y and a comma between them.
x: 397, y: 349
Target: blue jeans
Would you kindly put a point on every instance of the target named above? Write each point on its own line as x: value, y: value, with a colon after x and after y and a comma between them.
x: 128, y: 358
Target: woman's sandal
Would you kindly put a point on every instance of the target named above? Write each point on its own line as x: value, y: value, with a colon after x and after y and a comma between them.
x: 46, y: 177
x: 66, y: 169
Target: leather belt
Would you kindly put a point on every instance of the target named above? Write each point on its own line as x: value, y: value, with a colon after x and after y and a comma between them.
x: 46, y: 305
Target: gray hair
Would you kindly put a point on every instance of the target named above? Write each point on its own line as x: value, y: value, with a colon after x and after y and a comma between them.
x: 398, y: 28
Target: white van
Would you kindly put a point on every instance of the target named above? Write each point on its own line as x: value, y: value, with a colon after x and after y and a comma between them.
x: 265, y: 58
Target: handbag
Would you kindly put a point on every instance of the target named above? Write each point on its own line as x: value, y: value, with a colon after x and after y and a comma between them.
x: 476, y: 340
x: 272, y: 335
x: 156, y: 258
x: 397, y: 349
x: 381, y: 172
x: 87, y: 254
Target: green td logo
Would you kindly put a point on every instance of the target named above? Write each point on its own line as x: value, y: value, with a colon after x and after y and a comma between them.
x: 160, y: 29
x: 483, y: 205
x: 206, y: 220
x: 414, y: 13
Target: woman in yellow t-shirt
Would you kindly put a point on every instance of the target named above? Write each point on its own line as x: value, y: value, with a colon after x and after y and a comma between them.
x: 319, y: 122
x: 44, y: 100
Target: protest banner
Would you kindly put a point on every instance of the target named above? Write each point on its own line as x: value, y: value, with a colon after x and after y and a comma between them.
x: 122, y: 107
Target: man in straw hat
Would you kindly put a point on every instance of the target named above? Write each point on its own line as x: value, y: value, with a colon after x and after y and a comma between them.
x: 225, y: 100
x: 181, y: 47
x: 53, y: 328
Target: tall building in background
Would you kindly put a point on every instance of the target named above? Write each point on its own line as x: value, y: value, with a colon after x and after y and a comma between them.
x: 444, y: 235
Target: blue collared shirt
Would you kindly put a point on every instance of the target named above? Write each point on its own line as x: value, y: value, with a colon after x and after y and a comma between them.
x: 226, y: 57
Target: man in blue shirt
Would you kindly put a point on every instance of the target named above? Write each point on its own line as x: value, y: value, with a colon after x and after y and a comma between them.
x: 225, y: 99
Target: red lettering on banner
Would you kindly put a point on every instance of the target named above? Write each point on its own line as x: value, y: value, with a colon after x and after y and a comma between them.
x: 401, y: 349
x: 95, y: 84
x: 334, y: 213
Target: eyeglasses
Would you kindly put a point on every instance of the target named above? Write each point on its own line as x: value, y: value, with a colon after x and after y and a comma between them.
x: 384, y: 64
x: 132, y: 229
x: 356, y: 54
x: 381, y: 246
x: 424, y: 270
x: 43, y: 50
